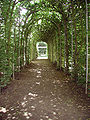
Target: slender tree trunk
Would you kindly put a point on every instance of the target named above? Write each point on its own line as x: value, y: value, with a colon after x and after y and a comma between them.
x: 52, y: 50
x: 72, y: 45
x: 49, y: 50
x: 60, y: 46
x: 86, y: 47
x: 76, y: 44
x: 24, y: 59
x: 64, y: 53
x: 56, y: 47
x: 29, y: 52
x: 75, y: 55
x: 19, y: 48
x: 58, y: 51
x: 66, y: 47
x: 26, y: 50
x: 14, y: 52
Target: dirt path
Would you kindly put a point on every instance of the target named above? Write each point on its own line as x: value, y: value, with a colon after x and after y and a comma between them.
x: 40, y: 92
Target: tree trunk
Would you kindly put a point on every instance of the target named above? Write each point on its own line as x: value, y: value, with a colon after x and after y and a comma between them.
x: 75, y: 53
x: 66, y: 47
x: 86, y: 47
x: 60, y: 46
x: 72, y: 45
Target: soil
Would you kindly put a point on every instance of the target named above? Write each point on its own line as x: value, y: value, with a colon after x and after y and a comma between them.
x: 40, y: 92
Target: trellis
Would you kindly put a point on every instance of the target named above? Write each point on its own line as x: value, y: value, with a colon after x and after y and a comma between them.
x: 62, y: 27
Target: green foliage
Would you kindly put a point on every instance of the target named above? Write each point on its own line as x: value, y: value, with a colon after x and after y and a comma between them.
x: 24, y: 23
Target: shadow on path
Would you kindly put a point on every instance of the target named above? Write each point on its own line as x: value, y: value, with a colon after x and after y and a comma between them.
x: 40, y: 92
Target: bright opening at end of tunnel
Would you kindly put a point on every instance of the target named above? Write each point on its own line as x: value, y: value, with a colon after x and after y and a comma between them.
x: 42, y: 50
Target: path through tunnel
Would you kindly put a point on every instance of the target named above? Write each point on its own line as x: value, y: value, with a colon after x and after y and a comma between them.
x: 55, y: 30
x: 40, y: 92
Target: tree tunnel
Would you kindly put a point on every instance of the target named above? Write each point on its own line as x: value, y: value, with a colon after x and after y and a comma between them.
x: 62, y: 24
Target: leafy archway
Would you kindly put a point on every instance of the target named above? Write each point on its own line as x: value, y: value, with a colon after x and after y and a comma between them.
x: 62, y: 26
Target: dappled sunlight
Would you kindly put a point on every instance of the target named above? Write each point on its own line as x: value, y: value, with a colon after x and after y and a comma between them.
x: 38, y: 76
x: 30, y: 96
x: 38, y: 83
x: 34, y: 95
x: 33, y: 108
x: 28, y: 107
x: 27, y: 115
x: 22, y: 109
x: 35, y: 70
x: 39, y: 72
x: 32, y: 70
x: 24, y: 103
x: 3, y: 110
x: 44, y: 97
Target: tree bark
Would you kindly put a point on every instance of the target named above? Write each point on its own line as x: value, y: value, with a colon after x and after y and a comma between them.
x: 59, y: 36
x: 86, y: 91
x: 66, y: 47
x: 75, y: 53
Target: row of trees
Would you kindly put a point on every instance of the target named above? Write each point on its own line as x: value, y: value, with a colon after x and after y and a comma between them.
x: 15, y: 40
x: 61, y: 23
x: 70, y: 45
